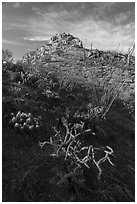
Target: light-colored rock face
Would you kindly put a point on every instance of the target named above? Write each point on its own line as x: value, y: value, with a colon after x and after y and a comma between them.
x: 53, y: 46
x: 65, y: 39
x: 62, y: 46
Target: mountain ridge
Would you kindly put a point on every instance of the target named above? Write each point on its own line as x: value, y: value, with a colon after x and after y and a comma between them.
x: 64, y: 46
x: 59, y: 43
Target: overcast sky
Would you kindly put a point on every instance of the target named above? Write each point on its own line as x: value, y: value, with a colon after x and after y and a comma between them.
x: 108, y: 26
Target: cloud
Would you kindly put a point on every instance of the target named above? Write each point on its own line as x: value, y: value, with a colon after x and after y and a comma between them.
x: 79, y: 11
x: 104, y: 24
x: 4, y: 29
x: 36, y: 38
x: 37, y: 11
x: 11, y: 42
x: 111, y: 11
x: 16, y: 5
x: 103, y: 34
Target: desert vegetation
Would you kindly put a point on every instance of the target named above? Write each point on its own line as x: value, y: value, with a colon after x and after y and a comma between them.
x: 68, y: 124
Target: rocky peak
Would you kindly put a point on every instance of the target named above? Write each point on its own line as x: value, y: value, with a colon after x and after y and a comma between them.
x: 50, y: 50
x: 66, y: 39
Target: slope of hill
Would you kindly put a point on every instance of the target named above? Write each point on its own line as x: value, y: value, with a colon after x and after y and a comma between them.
x: 60, y: 46
x: 65, y: 55
x: 65, y: 85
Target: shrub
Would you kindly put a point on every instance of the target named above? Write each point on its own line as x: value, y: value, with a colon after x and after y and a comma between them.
x: 24, y: 121
x: 77, y: 157
x: 7, y: 56
x: 105, y: 86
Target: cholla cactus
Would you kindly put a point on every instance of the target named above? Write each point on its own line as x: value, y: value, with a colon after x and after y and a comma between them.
x: 94, y: 111
x: 24, y: 121
x: 74, y: 150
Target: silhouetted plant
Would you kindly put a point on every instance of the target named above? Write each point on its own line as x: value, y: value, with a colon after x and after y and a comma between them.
x: 7, y: 56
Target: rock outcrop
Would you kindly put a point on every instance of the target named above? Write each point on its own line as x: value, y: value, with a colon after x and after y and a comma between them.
x: 54, y: 49
x: 62, y: 48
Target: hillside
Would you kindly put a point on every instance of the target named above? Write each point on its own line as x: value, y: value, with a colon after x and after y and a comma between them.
x: 65, y: 55
x: 68, y: 124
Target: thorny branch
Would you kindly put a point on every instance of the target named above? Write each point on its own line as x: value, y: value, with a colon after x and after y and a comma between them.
x: 71, y: 147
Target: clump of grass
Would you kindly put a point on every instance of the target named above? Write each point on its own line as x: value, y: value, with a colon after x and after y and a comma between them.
x: 105, y: 87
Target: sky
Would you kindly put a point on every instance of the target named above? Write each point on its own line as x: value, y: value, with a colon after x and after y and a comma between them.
x: 107, y: 25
